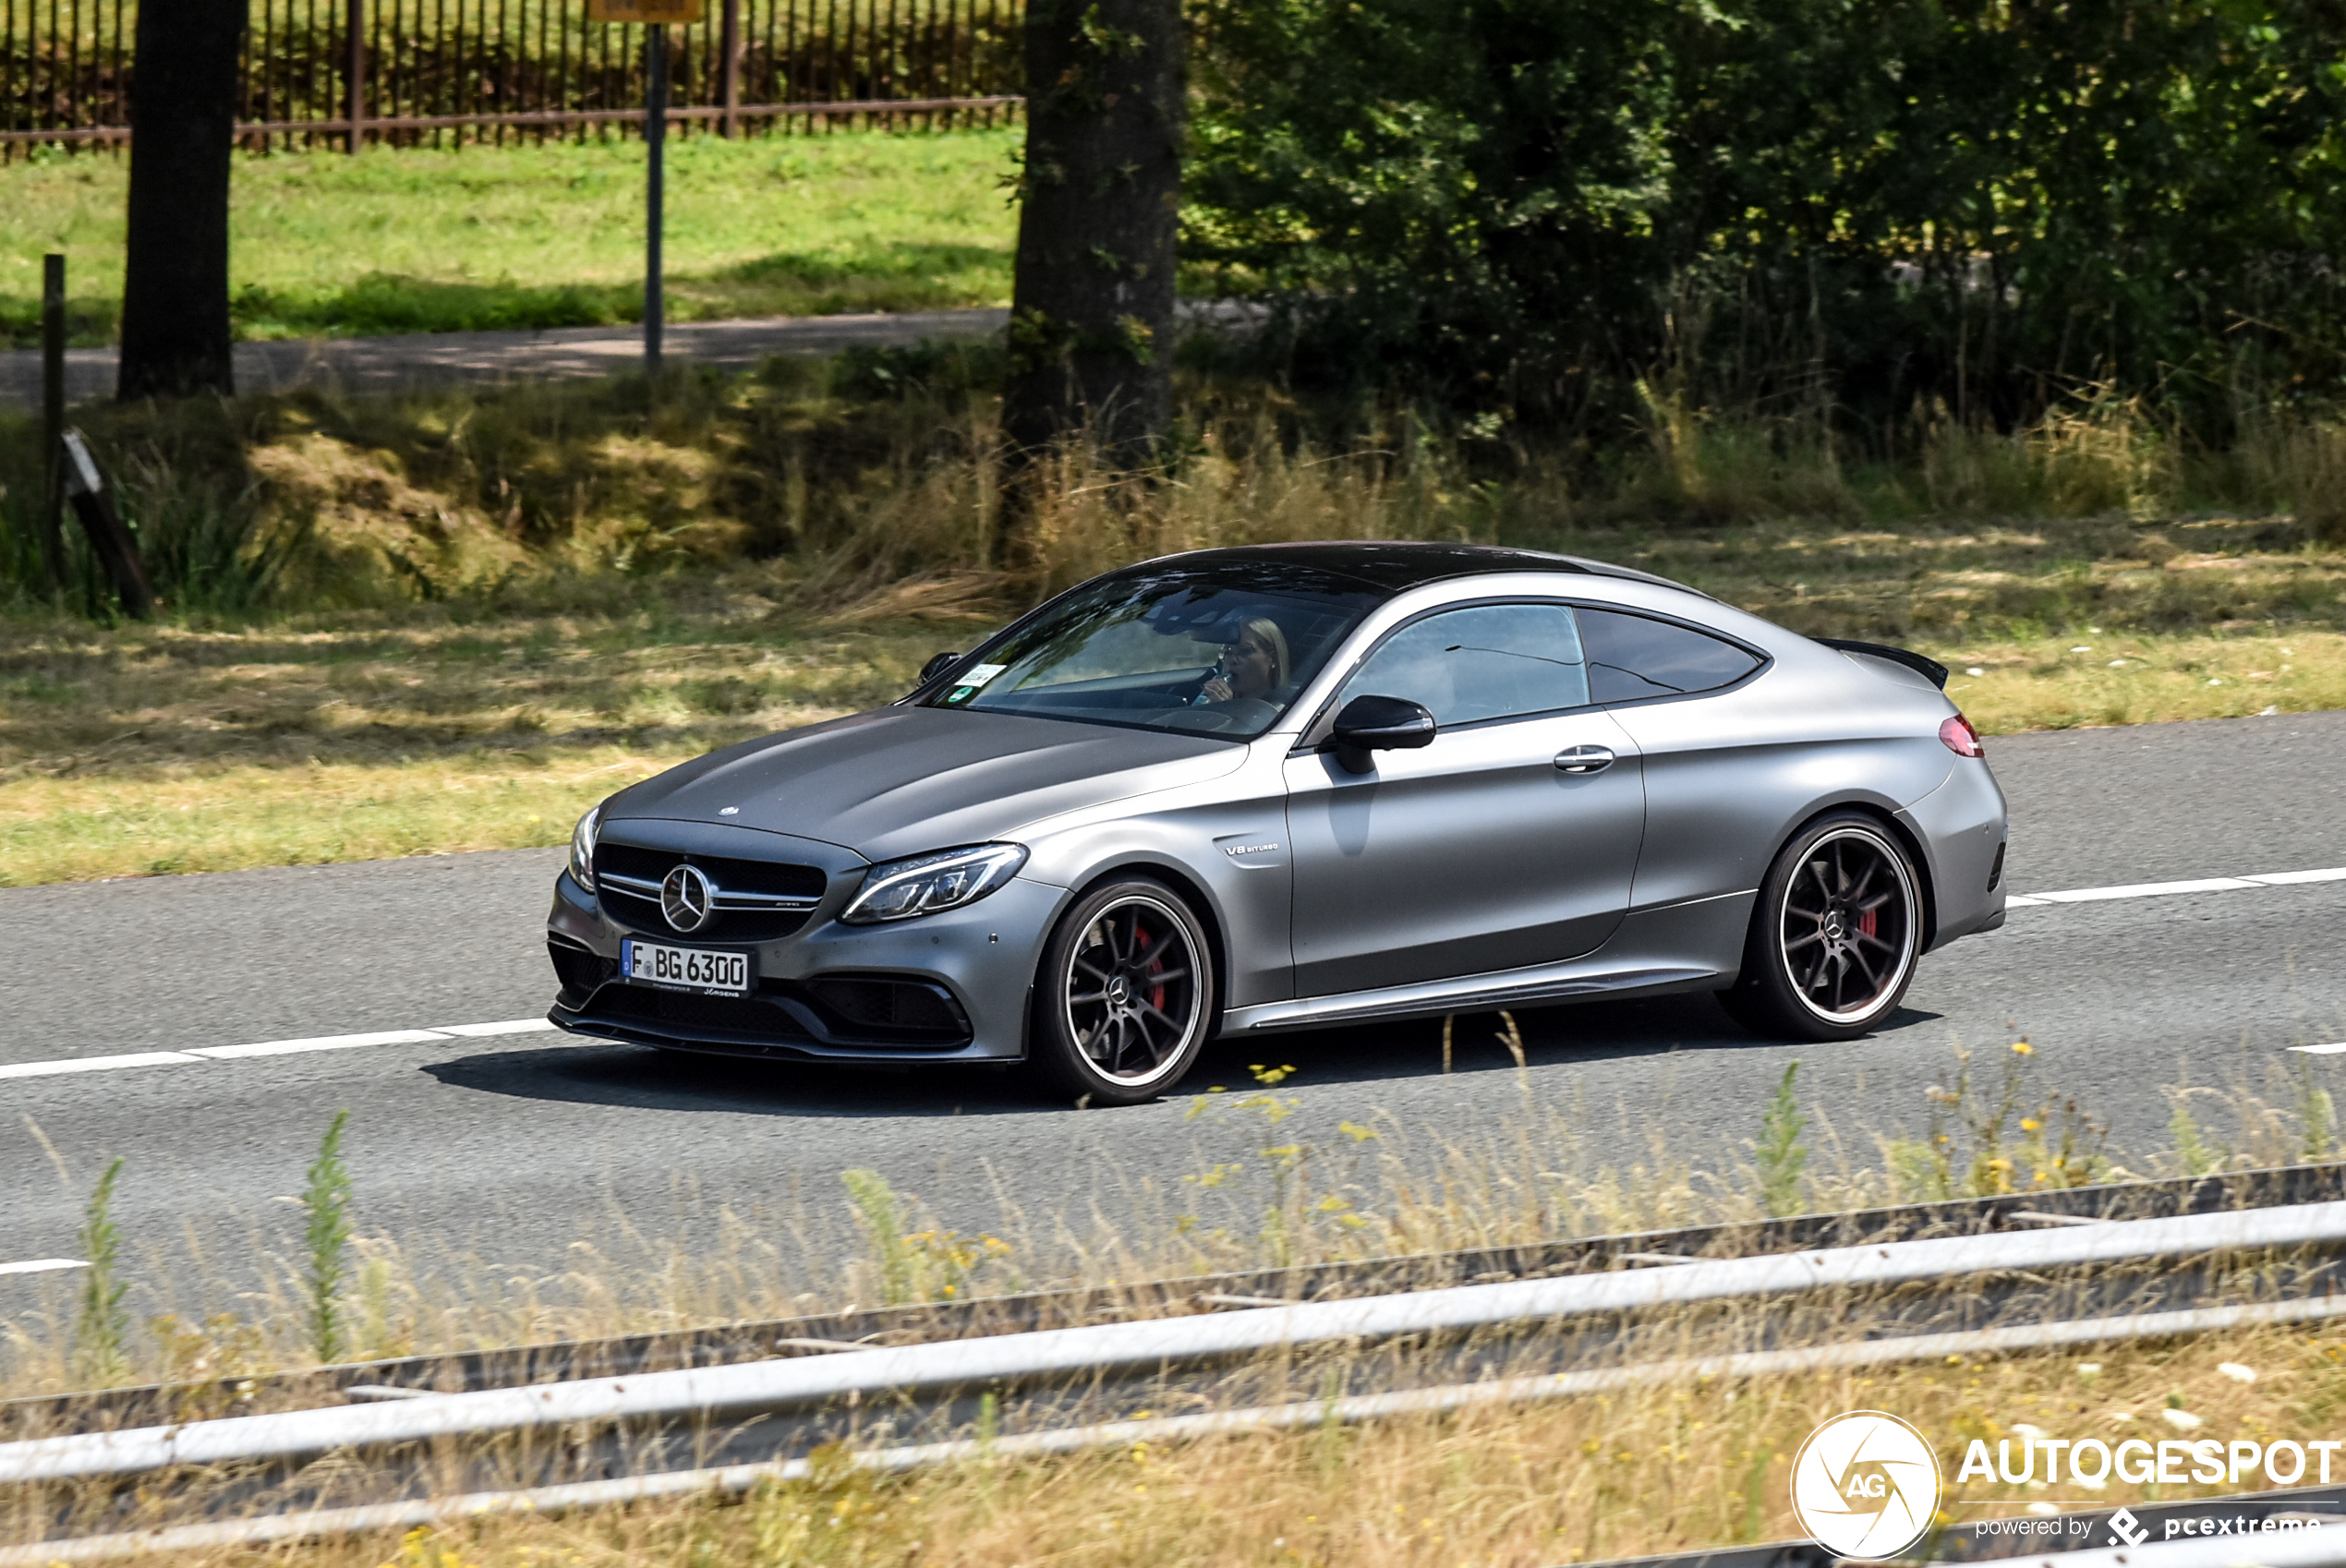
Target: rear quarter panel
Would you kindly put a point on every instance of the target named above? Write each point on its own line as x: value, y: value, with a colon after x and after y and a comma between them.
x: 1729, y: 775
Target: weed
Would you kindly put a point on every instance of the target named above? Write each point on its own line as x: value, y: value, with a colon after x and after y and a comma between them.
x: 2195, y: 1156
x: 2316, y: 1112
x: 881, y: 1214
x: 1781, y: 1156
x: 102, y: 1329
x: 325, y: 1204
x: 2017, y: 1138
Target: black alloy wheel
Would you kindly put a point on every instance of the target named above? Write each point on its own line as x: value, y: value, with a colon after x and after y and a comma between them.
x: 1124, y: 997
x: 1834, y: 936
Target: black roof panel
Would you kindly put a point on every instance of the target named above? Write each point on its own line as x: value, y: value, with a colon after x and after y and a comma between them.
x: 1395, y: 565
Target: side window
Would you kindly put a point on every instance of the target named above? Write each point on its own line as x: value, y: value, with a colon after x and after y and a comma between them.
x: 1630, y: 657
x: 1486, y: 661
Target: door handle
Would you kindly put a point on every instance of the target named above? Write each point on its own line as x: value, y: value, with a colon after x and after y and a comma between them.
x: 1583, y: 759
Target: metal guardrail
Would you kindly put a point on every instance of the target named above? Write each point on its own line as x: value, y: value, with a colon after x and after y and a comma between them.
x: 766, y: 1387
x: 735, y: 1479
x: 930, y: 1377
x: 630, y: 1355
x: 2323, y: 1548
x: 2306, y: 1510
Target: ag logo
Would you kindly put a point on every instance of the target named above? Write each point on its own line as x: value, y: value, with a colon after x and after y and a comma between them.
x: 1865, y: 1485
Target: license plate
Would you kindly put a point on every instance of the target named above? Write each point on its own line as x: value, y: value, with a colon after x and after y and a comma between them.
x: 685, y: 969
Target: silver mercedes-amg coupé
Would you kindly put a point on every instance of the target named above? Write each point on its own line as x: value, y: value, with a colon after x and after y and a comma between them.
x: 1243, y: 790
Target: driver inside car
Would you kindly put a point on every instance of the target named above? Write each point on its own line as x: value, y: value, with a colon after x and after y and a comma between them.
x: 1252, y: 669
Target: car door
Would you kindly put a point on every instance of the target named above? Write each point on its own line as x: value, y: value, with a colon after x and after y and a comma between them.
x: 1724, y: 761
x: 1510, y: 840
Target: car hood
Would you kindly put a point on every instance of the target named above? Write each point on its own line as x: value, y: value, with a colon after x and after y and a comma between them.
x: 904, y: 780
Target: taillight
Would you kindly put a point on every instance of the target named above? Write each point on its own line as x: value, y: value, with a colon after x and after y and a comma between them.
x: 1961, y: 738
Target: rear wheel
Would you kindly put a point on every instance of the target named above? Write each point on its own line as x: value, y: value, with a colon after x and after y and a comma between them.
x: 1124, y: 996
x: 1834, y: 936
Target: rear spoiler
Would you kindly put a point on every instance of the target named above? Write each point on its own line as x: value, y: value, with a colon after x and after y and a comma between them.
x: 1928, y: 669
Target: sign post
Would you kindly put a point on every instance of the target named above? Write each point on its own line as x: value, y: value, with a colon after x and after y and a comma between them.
x: 655, y: 15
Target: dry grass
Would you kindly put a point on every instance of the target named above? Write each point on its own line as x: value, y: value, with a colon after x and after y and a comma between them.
x: 1605, y: 1477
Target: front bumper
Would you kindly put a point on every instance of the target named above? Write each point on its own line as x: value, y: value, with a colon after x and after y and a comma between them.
x: 947, y: 987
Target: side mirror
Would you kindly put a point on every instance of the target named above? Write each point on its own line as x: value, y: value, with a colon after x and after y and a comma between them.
x: 1378, y: 724
x: 938, y: 666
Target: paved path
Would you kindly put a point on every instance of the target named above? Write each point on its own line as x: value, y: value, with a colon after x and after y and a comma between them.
x: 382, y: 364
x: 517, y: 1147
x: 416, y: 359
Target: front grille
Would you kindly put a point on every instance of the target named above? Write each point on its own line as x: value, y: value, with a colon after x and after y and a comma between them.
x: 578, y: 969
x: 757, y: 881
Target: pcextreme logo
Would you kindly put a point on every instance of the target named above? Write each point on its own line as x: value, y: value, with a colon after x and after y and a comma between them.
x: 1866, y: 1484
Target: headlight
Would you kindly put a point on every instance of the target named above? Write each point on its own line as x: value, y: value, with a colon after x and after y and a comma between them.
x: 582, y: 849
x: 925, y: 884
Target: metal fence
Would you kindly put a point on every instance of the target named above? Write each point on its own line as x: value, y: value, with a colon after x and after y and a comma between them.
x: 351, y: 73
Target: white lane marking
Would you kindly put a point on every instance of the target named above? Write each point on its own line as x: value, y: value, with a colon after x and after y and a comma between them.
x: 2333, y: 1048
x: 479, y: 1030
x: 2164, y: 889
x: 42, y: 1265
x: 273, y: 1048
x: 95, y: 1063
x: 2144, y: 890
x: 320, y: 1043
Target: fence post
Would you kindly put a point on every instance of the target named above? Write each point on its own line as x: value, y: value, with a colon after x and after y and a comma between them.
x: 53, y: 417
x: 729, y: 47
x: 355, y: 70
x: 655, y: 139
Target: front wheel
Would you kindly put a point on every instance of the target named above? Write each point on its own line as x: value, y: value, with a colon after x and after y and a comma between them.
x: 1124, y: 996
x: 1834, y: 935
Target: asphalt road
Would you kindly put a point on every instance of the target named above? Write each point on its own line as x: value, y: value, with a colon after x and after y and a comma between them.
x: 511, y: 1150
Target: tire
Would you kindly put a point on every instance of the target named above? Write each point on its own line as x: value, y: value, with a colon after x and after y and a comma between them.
x: 1834, y: 935
x: 1124, y: 996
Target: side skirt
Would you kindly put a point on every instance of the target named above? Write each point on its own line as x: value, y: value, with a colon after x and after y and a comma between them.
x: 1691, y: 946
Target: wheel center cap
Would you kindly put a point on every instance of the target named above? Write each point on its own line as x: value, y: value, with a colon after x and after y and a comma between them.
x: 1832, y: 925
x: 1120, y: 991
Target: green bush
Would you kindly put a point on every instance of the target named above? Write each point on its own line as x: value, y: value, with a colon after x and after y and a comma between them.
x: 1879, y: 208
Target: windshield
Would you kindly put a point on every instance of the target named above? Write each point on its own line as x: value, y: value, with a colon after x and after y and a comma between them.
x: 1219, y: 650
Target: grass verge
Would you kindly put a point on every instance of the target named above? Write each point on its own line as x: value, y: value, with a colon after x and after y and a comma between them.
x: 146, y: 750
x: 414, y: 593
x: 130, y: 750
x: 413, y: 240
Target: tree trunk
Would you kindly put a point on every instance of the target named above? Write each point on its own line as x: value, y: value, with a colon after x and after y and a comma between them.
x: 183, y: 112
x: 1091, y: 310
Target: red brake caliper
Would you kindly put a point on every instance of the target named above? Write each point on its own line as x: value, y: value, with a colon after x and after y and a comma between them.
x: 1156, y: 997
x: 1870, y: 920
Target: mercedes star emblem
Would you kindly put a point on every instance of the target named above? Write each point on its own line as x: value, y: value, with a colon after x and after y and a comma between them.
x: 686, y: 897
